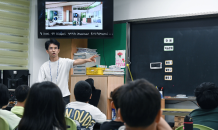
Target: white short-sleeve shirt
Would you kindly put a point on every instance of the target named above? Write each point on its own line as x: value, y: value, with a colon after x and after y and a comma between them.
x: 58, y: 73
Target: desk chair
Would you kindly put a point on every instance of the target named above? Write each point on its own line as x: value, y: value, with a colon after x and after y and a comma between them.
x: 71, y: 125
x: 201, y: 127
x: 96, y: 93
x: 3, y: 124
x: 19, y: 115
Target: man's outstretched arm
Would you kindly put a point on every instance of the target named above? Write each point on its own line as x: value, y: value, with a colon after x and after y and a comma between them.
x: 82, y: 61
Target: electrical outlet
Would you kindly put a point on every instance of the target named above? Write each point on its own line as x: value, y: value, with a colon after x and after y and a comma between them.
x: 168, y: 77
x: 168, y: 48
x: 168, y: 69
x: 168, y: 62
x: 168, y: 40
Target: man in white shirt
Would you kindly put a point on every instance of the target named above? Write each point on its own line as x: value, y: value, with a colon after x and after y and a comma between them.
x: 57, y: 69
x: 84, y: 114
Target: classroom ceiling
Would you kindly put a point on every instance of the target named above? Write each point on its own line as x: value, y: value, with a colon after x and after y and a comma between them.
x: 61, y: 4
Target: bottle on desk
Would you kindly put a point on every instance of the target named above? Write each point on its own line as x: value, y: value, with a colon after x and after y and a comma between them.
x: 188, y: 123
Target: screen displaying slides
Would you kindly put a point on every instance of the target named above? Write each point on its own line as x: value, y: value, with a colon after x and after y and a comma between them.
x: 74, y: 15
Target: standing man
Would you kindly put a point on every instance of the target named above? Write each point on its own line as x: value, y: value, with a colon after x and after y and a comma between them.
x: 57, y: 69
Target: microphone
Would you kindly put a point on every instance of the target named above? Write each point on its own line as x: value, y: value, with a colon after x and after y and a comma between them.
x: 188, y: 123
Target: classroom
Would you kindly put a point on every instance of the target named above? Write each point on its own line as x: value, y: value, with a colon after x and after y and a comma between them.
x: 110, y: 43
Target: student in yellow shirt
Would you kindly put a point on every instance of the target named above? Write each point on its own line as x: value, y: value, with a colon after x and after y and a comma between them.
x: 21, y: 93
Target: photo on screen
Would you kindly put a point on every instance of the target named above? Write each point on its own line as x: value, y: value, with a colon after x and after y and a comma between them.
x: 74, y: 15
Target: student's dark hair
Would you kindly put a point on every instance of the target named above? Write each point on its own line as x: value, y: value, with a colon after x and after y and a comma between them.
x: 21, y: 92
x: 51, y: 41
x: 82, y: 91
x: 207, y: 95
x: 4, y: 95
x: 115, y: 97
x: 44, y: 108
x: 139, y: 103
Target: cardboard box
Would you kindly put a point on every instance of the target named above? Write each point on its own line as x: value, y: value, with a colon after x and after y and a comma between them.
x: 177, y: 124
x: 179, y: 118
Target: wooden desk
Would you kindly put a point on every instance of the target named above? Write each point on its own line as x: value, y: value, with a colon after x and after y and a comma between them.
x: 176, y: 112
x: 103, y: 82
x: 181, y: 99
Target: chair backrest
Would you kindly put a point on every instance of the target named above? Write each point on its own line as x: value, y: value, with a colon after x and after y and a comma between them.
x: 3, y: 124
x: 19, y: 115
x: 96, y: 93
x: 71, y: 125
x: 201, y: 127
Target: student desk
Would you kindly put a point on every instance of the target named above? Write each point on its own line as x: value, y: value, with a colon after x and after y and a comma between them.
x: 180, y: 99
x: 175, y: 111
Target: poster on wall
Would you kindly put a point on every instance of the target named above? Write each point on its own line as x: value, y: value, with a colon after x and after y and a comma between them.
x: 120, y: 58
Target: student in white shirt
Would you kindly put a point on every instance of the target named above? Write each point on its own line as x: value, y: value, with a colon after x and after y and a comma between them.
x: 12, y: 119
x: 57, y: 69
x: 84, y: 114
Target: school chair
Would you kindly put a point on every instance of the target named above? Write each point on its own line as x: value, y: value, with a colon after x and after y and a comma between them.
x: 3, y: 124
x: 71, y: 125
x: 19, y: 115
x: 201, y: 127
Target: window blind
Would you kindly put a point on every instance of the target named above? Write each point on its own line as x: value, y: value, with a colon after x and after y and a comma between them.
x: 14, y: 34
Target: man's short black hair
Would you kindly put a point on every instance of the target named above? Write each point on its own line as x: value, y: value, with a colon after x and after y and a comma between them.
x: 139, y: 103
x: 21, y: 92
x: 51, y: 41
x: 115, y: 97
x: 4, y: 95
x: 82, y: 91
x: 207, y: 95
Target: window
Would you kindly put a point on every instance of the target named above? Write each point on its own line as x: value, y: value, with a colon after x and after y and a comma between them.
x: 14, y: 34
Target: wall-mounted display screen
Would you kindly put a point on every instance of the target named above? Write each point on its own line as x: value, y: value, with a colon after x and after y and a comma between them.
x: 75, y: 19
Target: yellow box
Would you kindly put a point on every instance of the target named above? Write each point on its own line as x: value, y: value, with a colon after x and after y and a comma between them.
x: 94, y: 71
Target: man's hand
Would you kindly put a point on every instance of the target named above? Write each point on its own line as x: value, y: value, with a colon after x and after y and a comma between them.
x: 91, y: 59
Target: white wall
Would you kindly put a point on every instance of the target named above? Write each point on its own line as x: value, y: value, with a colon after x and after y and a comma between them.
x: 37, y: 54
x: 137, y: 9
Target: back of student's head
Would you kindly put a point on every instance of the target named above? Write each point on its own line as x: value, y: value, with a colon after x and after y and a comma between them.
x: 207, y: 95
x: 44, y: 108
x: 21, y: 92
x: 82, y: 91
x: 4, y: 95
x: 115, y: 97
x: 52, y: 41
x: 139, y: 103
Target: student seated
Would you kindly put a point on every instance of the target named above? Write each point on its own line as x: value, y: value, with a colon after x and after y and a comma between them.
x: 207, y: 99
x: 44, y: 108
x: 117, y: 123
x: 9, y: 117
x: 21, y: 93
x: 140, y: 105
x: 84, y: 114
